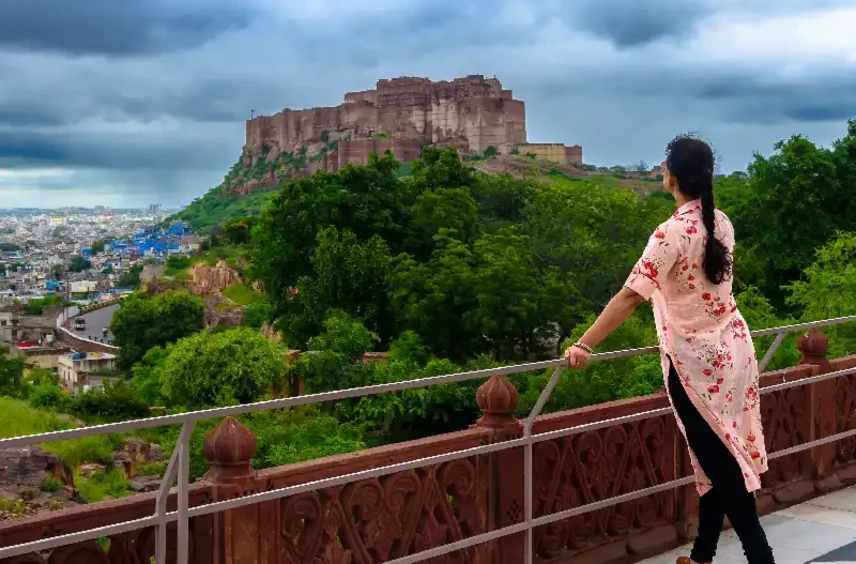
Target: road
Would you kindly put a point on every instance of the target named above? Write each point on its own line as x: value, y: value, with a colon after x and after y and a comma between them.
x: 96, y: 321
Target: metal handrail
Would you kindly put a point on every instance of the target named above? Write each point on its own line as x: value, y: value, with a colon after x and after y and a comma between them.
x: 179, y: 462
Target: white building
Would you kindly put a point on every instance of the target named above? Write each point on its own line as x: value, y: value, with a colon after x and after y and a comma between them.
x: 81, y: 371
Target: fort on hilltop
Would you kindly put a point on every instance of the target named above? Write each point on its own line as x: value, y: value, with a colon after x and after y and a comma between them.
x: 400, y: 115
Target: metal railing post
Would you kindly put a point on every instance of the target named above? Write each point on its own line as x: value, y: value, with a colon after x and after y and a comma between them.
x: 528, y: 470
x: 182, y: 539
x: 164, y: 491
x: 768, y: 356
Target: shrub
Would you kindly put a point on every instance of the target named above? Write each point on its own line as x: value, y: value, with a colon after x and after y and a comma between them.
x: 115, y: 401
x: 51, y: 483
x: 102, y: 485
x: 50, y: 396
x: 233, y: 366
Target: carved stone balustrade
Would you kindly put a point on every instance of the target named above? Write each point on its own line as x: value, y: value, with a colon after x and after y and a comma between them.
x: 379, y: 519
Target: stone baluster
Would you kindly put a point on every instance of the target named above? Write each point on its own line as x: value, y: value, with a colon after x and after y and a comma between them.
x: 243, y: 534
x: 814, y: 346
x: 497, y: 399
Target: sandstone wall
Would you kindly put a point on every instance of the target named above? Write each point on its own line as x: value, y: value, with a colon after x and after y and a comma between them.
x: 574, y: 154
x: 357, y: 152
x: 473, y: 108
x: 554, y: 152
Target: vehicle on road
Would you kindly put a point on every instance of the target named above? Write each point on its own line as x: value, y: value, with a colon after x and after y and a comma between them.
x: 79, y: 324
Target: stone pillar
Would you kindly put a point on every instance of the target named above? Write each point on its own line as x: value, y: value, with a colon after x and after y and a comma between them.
x: 497, y: 399
x: 814, y: 347
x: 243, y: 535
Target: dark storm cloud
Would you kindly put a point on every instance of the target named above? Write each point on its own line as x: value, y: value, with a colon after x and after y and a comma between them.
x: 115, y: 27
x: 149, y: 97
x: 631, y: 23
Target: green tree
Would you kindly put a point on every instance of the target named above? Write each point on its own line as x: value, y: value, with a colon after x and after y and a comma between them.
x: 828, y: 289
x: 333, y: 358
x: 793, y: 201
x: 259, y: 312
x: 131, y: 278
x: 432, y: 298
x: 146, y: 382
x: 79, y: 264
x: 490, y: 151
x: 509, y: 313
x: 224, y: 368
x: 364, y: 201
x: 11, y: 372
x: 98, y: 246
x: 142, y: 323
x: 237, y: 230
x: 452, y: 209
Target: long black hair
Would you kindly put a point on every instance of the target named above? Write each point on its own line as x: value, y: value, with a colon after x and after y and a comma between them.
x: 692, y: 163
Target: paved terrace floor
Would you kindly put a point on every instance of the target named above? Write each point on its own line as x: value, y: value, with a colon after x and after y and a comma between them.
x: 820, y: 530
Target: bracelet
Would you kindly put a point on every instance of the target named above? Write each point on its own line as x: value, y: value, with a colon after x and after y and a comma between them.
x: 584, y: 346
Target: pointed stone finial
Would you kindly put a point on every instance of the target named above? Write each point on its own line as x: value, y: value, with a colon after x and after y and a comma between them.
x: 813, y: 345
x: 497, y: 399
x: 229, y: 447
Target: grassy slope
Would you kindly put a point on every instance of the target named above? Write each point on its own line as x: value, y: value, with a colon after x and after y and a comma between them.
x: 19, y: 418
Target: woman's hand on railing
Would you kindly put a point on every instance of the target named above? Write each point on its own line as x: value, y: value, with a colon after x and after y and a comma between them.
x: 577, y: 357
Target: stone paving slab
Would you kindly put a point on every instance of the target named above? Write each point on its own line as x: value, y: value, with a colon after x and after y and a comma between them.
x: 819, y: 531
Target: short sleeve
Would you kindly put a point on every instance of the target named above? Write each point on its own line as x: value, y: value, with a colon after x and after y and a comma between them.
x: 657, y: 260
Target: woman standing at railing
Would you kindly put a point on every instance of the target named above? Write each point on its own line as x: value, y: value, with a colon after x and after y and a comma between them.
x: 707, y: 355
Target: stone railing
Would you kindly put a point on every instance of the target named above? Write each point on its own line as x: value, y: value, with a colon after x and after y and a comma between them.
x: 132, y: 547
x: 381, y: 519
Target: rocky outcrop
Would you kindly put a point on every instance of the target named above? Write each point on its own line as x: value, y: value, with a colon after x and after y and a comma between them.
x: 269, y: 332
x: 207, y: 280
x: 158, y: 286
x: 220, y: 311
x: 27, y: 467
x: 134, y: 452
x: 152, y: 272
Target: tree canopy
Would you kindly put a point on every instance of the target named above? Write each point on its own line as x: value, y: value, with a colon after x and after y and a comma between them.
x: 223, y: 368
x: 143, y: 322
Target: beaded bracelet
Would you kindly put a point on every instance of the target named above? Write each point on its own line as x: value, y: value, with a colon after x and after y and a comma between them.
x: 584, y: 346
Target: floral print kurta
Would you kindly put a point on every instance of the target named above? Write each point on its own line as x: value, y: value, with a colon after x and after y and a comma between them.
x: 701, y: 330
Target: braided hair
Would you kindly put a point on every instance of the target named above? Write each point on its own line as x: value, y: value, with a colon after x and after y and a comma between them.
x: 691, y: 161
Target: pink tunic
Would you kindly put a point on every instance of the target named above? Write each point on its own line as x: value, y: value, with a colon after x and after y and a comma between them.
x: 700, y: 328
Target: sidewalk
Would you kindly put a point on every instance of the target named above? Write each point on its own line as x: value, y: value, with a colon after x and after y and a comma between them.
x: 821, y: 530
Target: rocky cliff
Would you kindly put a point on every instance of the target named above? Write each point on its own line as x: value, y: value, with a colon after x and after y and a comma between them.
x: 207, y: 280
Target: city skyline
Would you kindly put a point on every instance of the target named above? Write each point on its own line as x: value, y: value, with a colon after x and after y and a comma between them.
x: 147, y: 103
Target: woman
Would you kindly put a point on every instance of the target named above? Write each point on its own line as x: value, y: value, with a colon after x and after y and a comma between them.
x: 708, y: 360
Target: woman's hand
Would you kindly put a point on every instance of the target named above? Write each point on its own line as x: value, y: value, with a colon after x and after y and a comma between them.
x: 577, y: 357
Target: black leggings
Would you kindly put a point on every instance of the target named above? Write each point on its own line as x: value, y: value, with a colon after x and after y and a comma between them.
x: 728, y: 495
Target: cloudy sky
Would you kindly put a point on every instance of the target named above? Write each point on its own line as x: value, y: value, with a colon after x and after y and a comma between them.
x: 131, y: 102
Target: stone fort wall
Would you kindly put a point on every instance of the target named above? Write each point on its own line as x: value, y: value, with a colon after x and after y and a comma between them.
x: 475, y: 109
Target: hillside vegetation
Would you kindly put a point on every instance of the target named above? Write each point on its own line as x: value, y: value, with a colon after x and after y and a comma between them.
x: 224, y: 202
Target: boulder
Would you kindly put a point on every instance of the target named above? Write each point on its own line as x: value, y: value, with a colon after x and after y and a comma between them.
x: 91, y: 468
x: 142, y: 484
x: 26, y: 467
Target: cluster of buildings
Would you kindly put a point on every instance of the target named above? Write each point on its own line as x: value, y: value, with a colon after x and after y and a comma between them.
x: 73, y: 256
